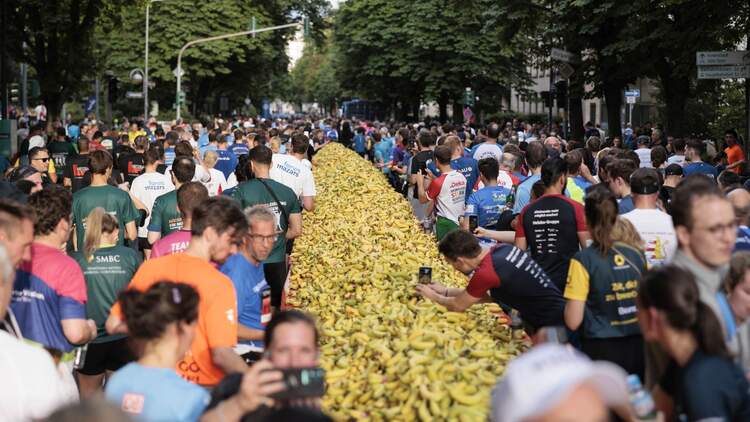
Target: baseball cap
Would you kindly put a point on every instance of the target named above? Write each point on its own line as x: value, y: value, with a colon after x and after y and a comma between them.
x: 538, y: 380
x: 674, y: 170
x: 645, y: 181
x: 36, y: 141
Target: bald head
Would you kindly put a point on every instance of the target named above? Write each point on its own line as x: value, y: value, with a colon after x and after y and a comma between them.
x: 740, y: 199
x: 553, y: 142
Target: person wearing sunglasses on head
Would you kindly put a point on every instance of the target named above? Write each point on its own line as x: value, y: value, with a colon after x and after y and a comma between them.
x: 39, y: 160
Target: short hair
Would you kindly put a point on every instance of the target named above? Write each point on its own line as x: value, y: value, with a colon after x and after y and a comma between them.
x: 220, y: 213
x: 489, y: 168
x: 223, y: 139
x: 594, y: 143
x: 289, y: 317
x: 452, y: 142
x: 259, y: 212
x: 33, y: 152
x: 508, y: 159
x: 426, y: 138
x: 573, y: 160
x: 183, y: 169
x: 643, y: 140
x: 459, y: 244
x: 172, y: 137
x: 50, y: 205
x: 448, y: 128
x: 261, y: 154
x: 738, y: 266
x: 728, y: 178
x: 152, y: 156
x: 493, y: 131
x: 189, y: 196
x: 11, y: 215
x: 183, y: 149
x: 536, y: 153
x: 658, y: 156
x: 697, y: 145
x: 678, y: 144
x: 688, y: 192
x: 300, y: 143
x: 141, y: 142
x: 100, y: 161
x: 210, y: 158
x: 443, y: 154
x: 622, y: 168
x: 552, y: 170
x: 83, y: 143
x: 7, y: 272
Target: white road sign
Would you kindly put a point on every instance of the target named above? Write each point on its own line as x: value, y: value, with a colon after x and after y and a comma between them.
x: 722, y: 58
x: 630, y: 100
x: 133, y: 94
x: 723, y: 72
x: 563, y: 56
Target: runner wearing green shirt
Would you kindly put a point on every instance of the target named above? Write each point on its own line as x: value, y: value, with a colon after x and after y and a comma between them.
x: 107, y: 268
x: 283, y: 203
x: 115, y: 202
x: 165, y: 215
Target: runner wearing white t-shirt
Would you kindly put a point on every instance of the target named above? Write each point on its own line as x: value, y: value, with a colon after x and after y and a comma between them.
x: 447, y: 193
x: 291, y: 171
x: 149, y: 186
x: 489, y: 148
x: 654, y: 226
x: 216, y: 183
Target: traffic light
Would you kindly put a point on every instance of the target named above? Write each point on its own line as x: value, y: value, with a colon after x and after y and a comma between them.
x: 181, y: 98
x: 547, y: 98
x: 15, y: 93
x: 561, y: 93
x: 306, y: 26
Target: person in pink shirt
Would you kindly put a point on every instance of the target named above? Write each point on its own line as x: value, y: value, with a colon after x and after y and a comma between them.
x: 189, y: 196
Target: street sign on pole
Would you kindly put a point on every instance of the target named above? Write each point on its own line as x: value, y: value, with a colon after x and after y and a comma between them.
x: 723, y: 72
x: 566, y: 70
x: 635, y: 93
x: 134, y: 94
x: 563, y: 56
x: 468, y: 97
x: 722, y: 58
x: 630, y: 100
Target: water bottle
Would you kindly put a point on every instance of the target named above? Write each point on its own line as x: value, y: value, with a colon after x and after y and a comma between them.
x: 641, y: 400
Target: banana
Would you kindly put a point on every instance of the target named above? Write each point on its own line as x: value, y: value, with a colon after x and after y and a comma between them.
x: 389, y: 354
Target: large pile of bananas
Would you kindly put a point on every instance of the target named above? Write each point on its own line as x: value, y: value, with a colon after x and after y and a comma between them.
x: 388, y: 355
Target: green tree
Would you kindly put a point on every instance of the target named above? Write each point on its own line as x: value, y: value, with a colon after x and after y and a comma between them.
x: 56, y: 38
x: 236, y: 68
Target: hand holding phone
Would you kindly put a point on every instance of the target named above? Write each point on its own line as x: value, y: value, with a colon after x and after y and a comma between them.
x: 473, y: 223
x: 425, y: 275
x: 259, y: 384
x: 302, y: 383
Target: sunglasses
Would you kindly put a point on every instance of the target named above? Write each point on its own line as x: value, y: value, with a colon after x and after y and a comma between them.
x: 44, y: 160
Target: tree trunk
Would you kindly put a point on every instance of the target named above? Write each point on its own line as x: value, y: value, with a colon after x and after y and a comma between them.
x: 458, y: 113
x: 443, y: 106
x: 613, y: 96
x: 675, y: 92
x: 415, y: 110
x: 575, y: 114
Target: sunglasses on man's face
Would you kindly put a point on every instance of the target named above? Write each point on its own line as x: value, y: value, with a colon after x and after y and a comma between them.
x: 42, y: 159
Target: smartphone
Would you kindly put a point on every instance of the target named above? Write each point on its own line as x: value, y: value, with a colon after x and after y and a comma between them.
x: 473, y: 222
x: 425, y: 275
x: 302, y: 383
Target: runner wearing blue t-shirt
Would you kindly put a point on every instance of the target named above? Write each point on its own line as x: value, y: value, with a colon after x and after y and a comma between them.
x: 486, y: 203
x: 226, y: 160
x: 693, y: 153
x: 245, y: 269
x: 535, y: 156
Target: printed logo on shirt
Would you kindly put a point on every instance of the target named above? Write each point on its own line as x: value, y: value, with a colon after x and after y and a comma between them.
x: 79, y: 171
x: 230, y: 315
x: 133, y: 403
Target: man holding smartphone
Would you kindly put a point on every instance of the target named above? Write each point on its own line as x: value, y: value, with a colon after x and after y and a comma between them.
x: 446, y: 193
x: 503, y: 274
x: 487, y: 203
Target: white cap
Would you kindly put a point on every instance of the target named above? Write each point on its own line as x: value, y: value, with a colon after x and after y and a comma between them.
x: 247, y: 125
x: 538, y: 380
x: 36, y: 141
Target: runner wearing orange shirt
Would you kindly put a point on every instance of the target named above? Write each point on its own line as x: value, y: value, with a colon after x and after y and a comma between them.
x: 217, y: 225
x: 735, y: 155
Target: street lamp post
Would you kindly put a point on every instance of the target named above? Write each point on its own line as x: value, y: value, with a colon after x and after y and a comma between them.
x: 217, y: 38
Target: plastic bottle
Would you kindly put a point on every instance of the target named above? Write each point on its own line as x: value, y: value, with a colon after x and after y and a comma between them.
x: 641, y: 400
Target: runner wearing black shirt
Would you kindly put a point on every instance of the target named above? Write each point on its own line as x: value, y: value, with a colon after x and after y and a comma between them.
x: 503, y: 274
x: 553, y: 227
x: 77, y: 167
x: 422, y: 158
x: 131, y: 162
